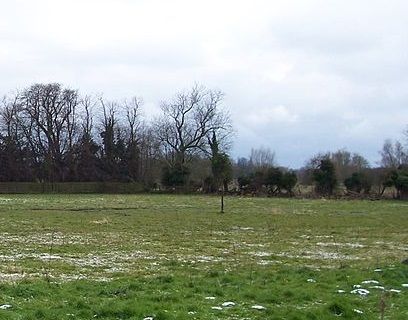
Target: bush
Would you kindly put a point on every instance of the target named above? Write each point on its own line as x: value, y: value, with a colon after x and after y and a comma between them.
x: 175, y: 176
x: 324, y: 177
x: 357, y: 182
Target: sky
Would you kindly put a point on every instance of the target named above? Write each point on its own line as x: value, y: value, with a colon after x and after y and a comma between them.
x: 299, y: 77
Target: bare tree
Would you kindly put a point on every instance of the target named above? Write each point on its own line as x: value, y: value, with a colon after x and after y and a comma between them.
x: 134, y: 139
x: 14, y: 157
x: 393, y: 155
x: 150, y: 155
x: 262, y: 158
x: 86, y: 150
x: 48, y: 119
x: 133, y: 112
x: 347, y: 163
x: 188, y: 121
x: 359, y: 162
x: 88, y: 104
x: 9, y: 109
x: 110, y: 122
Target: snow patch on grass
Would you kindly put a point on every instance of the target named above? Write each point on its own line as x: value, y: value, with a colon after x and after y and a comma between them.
x: 258, y: 307
x: 370, y: 282
x: 361, y: 292
x: 228, y: 304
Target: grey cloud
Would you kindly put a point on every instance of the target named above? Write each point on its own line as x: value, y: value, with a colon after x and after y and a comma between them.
x: 299, y: 76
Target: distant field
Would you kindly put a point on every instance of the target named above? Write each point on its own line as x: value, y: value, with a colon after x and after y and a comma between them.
x: 175, y: 257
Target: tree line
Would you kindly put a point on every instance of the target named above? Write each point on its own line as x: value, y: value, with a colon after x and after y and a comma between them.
x: 339, y: 173
x: 50, y: 133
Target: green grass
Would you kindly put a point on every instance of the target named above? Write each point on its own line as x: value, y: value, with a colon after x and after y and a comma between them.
x: 160, y: 256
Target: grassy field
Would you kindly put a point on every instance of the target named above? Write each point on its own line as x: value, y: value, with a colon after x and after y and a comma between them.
x: 175, y: 257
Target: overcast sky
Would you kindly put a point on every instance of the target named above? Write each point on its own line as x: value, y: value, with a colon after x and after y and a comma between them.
x: 300, y: 77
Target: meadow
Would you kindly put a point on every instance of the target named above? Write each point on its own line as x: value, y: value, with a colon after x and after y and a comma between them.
x: 176, y: 257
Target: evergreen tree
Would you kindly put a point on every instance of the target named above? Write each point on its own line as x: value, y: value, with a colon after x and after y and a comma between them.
x: 324, y: 177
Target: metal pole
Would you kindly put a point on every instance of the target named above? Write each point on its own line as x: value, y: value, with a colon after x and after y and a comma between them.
x: 222, y: 200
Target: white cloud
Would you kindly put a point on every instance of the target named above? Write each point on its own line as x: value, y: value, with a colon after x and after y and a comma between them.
x: 263, y: 116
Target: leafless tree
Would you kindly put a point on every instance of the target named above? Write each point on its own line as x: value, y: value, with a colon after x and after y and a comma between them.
x: 188, y: 120
x: 347, y: 163
x: 133, y: 113
x: 9, y: 109
x: 48, y: 119
x: 13, y: 154
x: 134, y: 130
x: 149, y: 148
x: 108, y: 133
x: 393, y: 155
x: 262, y: 158
x: 88, y: 105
